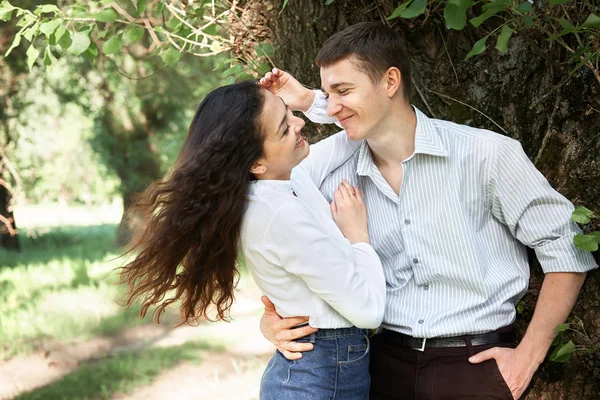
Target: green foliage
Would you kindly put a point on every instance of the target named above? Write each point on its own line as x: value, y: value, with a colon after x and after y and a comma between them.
x: 589, y: 241
x: 508, y: 17
x: 51, y: 145
x: 562, y: 351
x: 75, y: 27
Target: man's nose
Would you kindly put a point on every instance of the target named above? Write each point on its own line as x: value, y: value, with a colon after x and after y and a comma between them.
x: 333, y: 107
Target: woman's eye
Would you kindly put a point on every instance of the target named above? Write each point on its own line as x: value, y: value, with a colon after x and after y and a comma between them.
x: 287, y: 129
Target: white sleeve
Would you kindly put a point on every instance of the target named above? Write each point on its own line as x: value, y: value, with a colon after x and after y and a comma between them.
x: 330, y: 153
x: 352, y: 285
x: 327, y: 155
x: 317, y: 112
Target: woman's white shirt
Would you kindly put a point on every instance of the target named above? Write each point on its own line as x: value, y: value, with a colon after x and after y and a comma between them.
x: 297, y: 255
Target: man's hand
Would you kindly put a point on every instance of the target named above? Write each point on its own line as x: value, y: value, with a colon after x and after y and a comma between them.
x: 278, y: 331
x: 284, y: 85
x: 516, y: 366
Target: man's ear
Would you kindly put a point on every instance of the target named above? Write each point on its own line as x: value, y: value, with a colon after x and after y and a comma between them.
x: 393, y: 81
x: 257, y: 168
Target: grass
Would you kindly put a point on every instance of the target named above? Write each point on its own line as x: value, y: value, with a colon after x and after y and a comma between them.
x: 60, y: 286
x: 118, y: 374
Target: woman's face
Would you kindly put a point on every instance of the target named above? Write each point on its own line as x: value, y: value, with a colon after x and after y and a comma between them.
x: 283, y: 147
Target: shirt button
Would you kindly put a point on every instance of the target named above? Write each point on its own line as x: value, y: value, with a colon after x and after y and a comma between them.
x: 421, y: 321
x: 415, y: 260
x: 426, y: 287
x: 407, y: 221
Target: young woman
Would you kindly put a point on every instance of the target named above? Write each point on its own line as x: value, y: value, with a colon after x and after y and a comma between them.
x: 243, y: 182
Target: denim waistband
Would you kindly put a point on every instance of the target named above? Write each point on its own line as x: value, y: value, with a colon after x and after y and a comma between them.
x: 334, y: 333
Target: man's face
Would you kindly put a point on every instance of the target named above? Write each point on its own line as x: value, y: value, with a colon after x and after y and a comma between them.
x: 357, y: 103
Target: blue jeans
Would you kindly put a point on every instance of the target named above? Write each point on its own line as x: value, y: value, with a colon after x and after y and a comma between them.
x: 337, y: 368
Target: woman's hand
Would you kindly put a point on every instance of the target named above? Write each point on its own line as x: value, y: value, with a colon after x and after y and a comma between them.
x: 284, y: 85
x: 349, y: 213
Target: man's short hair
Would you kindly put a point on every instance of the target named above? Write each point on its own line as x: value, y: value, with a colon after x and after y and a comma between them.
x: 376, y: 47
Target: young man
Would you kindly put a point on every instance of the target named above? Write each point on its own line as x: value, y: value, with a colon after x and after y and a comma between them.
x: 451, y: 209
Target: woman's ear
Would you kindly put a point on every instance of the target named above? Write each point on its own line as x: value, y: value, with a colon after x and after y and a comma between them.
x: 258, y: 168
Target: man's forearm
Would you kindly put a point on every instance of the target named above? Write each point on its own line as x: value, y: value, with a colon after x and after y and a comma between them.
x: 557, y: 297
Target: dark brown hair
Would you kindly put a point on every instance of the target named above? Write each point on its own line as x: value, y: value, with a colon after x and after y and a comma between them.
x: 376, y: 46
x: 188, y: 248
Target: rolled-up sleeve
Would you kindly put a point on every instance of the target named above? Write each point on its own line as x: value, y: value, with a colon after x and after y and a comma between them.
x: 536, y: 214
x: 350, y: 279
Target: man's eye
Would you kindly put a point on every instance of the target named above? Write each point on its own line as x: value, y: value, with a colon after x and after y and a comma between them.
x: 343, y: 91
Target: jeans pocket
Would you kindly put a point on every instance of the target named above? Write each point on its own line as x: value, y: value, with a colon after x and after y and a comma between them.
x: 357, y: 352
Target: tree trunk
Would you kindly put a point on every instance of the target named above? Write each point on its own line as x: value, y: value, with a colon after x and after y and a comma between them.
x: 516, y: 94
x: 130, y: 153
x: 8, y: 238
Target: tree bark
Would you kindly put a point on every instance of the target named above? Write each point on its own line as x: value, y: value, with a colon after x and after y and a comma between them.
x: 524, y: 94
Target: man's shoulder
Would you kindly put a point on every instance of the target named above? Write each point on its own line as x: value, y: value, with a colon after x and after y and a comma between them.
x: 467, y: 138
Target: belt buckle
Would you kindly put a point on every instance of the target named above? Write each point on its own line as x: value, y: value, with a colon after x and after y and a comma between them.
x: 422, y: 348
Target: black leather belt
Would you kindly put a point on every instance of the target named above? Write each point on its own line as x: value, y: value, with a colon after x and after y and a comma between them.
x: 409, y: 342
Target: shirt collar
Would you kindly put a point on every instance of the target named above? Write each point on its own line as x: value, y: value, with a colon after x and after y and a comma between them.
x: 427, y: 141
x: 259, y: 187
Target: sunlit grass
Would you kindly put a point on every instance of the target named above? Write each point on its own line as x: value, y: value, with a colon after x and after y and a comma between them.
x: 118, y: 374
x: 60, y: 287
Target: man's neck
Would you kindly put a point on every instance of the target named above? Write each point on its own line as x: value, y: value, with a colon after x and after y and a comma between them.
x: 394, y: 141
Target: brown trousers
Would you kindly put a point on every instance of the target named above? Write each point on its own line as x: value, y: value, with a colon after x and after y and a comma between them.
x: 434, y: 374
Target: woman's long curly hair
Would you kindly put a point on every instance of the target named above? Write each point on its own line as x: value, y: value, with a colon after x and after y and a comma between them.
x: 188, y: 247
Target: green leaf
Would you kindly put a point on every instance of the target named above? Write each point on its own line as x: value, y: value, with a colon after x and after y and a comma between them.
x: 284, y: 5
x: 60, y: 31
x: 586, y: 242
x: 170, y: 56
x: 525, y: 7
x: 400, y: 9
x: 49, y: 58
x: 91, y: 53
x: 328, y: 2
x: 264, y: 49
x: 107, y: 15
x: 48, y: 28
x: 135, y: 33
x: 141, y: 7
x: 564, y: 353
x: 462, y: 3
x: 80, y: 41
x: 264, y: 68
x: 32, y: 55
x: 211, y: 29
x: 112, y: 45
x: 455, y: 16
x: 6, y: 10
x: 65, y: 40
x: 592, y: 349
x: 31, y: 33
x: 16, y: 42
x: 555, y: 2
x: 582, y: 215
x: 233, y: 70
x: 46, y: 8
x: 521, y: 307
x: 478, y: 48
x: 491, y: 9
x: 562, y: 327
x: 591, y: 21
x: 503, y: 38
x: 565, y: 23
x: 416, y: 8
